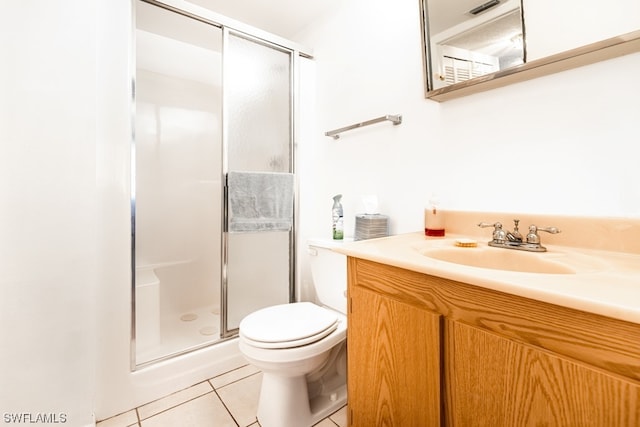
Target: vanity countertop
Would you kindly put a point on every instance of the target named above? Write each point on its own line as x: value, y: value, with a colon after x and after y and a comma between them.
x: 610, y: 287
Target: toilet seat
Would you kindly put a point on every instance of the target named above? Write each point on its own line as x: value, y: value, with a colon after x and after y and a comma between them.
x: 288, y: 325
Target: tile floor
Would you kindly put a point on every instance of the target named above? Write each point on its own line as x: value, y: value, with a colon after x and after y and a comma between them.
x: 228, y: 400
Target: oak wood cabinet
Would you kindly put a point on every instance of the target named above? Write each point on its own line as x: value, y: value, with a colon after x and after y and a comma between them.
x: 429, y: 351
x: 397, y: 350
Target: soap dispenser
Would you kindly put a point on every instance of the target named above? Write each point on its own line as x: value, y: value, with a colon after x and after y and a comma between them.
x: 434, y: 219
x: 338, y: 218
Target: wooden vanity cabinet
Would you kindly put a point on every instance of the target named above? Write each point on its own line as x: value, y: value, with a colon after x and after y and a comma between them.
x: 426, y: 351
x: 396, y: 352
x: 493, y: 381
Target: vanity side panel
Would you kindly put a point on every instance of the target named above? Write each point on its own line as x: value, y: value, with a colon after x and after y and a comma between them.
x: 609, y: 344
x: 498, y: 382
x: 393, y: 361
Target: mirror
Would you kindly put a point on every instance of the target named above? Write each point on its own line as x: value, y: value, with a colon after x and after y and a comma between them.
x: 465, y: 39
x: 470, y: 46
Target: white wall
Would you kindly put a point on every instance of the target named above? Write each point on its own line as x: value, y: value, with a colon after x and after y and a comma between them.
x: 575, y: 23
x: 65, y: 280
x: 560, y: 144
x: 563, y: 144
x: 48, y: 211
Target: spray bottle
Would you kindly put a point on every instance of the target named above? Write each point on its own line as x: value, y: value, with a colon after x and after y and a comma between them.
x: 338, y: 218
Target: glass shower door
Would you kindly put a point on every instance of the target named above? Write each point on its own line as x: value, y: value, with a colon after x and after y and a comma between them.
x: 259, y: 139
x: 177, y: 183
x: 194, y: 278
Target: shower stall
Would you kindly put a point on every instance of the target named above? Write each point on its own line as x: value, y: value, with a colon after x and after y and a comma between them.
x: 210, y: 103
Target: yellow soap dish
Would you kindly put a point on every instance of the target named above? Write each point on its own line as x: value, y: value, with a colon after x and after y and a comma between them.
x: 466, y: 243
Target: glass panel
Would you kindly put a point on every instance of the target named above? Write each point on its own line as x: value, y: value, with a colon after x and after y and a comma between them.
x: 178, y: 184
x: 258, y: 100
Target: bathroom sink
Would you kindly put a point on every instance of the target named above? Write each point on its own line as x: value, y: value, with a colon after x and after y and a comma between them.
x: 510, y: 260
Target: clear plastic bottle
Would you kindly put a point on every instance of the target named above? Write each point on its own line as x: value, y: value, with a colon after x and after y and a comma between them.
x: 338, y: 218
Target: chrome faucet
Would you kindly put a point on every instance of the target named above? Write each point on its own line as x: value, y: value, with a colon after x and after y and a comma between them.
x: 513, y: 239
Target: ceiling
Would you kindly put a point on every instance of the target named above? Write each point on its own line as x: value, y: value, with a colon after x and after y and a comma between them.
x: 285, y: 18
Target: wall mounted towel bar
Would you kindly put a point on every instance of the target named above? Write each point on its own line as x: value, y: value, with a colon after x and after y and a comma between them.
x: 335, y: 134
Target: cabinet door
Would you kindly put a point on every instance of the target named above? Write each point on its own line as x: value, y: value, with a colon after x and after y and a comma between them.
x: 493, y: 381
x: 393, y: 363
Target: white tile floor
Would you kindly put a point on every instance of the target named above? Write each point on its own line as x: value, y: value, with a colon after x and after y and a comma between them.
x: 228, y: 400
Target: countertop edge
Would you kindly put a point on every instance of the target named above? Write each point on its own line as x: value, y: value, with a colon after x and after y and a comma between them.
x: 566, y: 290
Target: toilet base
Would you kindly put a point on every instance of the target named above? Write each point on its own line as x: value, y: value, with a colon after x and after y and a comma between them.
x: 284, y: 402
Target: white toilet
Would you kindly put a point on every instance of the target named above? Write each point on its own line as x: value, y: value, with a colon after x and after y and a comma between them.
x: 301, y: 347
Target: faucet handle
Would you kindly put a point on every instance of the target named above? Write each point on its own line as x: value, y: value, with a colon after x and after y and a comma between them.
x: 533, y: 237
x: 499, y: 235
x: 552, y: 230
x: 488, y: 224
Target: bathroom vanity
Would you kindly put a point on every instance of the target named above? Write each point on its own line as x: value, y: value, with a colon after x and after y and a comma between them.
x: 439, y: 343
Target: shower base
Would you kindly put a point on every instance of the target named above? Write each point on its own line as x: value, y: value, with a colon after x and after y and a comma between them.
x: 182, y: 331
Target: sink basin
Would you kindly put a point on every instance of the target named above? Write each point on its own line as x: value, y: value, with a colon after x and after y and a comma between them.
x: 508, y: 259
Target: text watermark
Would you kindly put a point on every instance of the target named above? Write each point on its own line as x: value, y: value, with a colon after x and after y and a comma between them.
x: 34, y: 417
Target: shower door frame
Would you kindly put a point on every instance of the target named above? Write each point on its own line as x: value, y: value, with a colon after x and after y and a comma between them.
x: 228, y: 26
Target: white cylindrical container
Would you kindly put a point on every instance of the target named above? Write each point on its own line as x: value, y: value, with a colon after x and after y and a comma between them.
x: 434, y: 219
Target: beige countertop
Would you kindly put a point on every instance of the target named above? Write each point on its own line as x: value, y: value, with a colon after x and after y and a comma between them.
x: 602, y: 281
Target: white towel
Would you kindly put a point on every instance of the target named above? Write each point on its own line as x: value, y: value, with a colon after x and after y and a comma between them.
x: 260, y: 201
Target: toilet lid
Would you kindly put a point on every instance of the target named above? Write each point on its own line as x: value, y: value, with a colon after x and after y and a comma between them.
x: 288, y: 325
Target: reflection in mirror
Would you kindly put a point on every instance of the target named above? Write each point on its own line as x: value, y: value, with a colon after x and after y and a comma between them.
x: 465, y: 39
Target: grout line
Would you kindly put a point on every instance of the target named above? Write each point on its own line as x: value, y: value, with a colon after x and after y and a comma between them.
x: 180, y: 404
x: 117, y: 415
x: 332, y: 414
x: 227, y: 408
x: 175, y: 406
x: 233, y: 382
x: 328, y: 419
x: 227, y: 373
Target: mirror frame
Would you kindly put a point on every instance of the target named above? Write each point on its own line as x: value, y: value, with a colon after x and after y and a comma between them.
x: 599, y: 51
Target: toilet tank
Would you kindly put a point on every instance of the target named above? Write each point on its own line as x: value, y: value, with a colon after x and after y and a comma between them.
x: 329, y: 272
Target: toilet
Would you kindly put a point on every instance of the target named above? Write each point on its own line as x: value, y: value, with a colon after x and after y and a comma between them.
x: 301, y: 347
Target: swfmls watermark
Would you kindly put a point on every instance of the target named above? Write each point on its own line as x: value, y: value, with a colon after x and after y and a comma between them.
x: 34, y: 417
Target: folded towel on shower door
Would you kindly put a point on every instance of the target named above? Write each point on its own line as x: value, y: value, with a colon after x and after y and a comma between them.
x: 259, y: 201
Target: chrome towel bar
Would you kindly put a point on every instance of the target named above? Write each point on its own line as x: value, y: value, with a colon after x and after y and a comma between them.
x: 396, y: 119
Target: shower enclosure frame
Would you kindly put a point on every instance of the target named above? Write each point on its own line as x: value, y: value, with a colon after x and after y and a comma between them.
x: 229, y: 27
